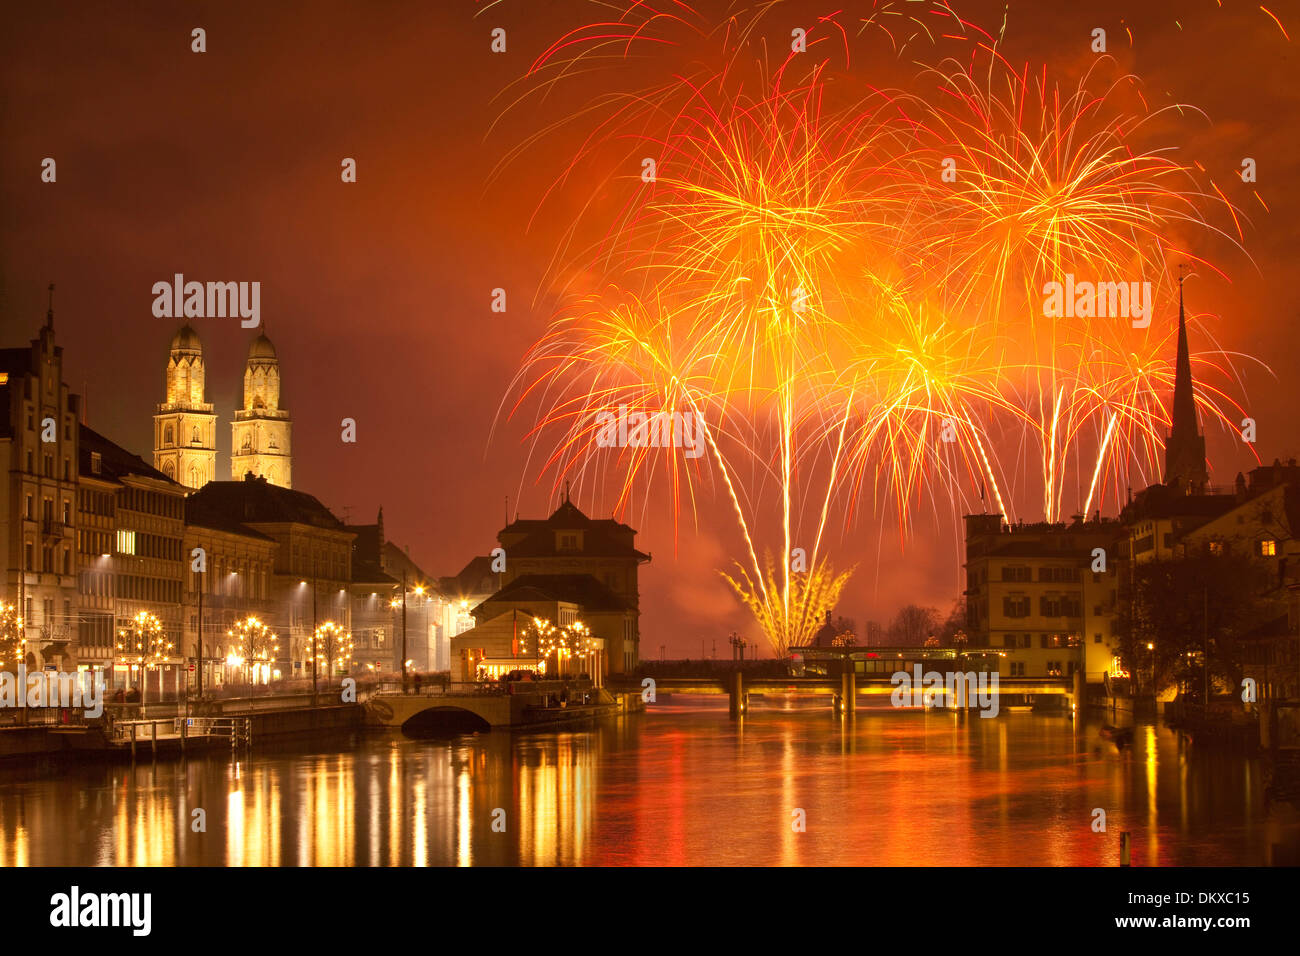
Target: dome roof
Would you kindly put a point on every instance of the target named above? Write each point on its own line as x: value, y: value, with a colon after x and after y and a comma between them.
x: 186, y: 340
x: 261, y: 349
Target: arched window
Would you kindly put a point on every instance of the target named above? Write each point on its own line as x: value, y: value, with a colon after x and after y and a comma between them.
x: 247, y: 447
x: 195, y: 479
x: 169, y: 470
x: 169, y: 436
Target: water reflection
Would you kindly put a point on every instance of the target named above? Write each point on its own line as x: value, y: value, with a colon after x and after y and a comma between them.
x: 679, y: 785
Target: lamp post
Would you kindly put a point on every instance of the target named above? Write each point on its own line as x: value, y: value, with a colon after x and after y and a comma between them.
x: 404, y: 661
x: 202, y: 574
x: 314, y: 626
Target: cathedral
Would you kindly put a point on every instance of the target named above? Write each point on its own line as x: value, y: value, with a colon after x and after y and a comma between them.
x: 185, y: 425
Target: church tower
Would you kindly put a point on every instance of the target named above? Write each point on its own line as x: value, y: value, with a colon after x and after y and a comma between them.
x: 260, y: 440
x: 1185, y: 447
x: 185, y: 426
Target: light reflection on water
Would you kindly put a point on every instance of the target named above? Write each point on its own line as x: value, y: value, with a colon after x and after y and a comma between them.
x: 679, y: 785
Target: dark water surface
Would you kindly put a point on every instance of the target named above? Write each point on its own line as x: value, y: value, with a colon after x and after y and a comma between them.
x: 680, y: 784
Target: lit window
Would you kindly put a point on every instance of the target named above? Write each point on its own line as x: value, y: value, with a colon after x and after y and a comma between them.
x: 126, y: 542
x: 1268, y: 548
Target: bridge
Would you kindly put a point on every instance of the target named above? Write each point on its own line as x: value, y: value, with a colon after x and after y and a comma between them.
x: 470, y: 707
x: 845, y: 689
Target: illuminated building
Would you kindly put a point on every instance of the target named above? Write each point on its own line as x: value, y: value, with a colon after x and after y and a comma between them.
x: 129, y: 549
x: 38, y: 456
x: 312, y: 573
x: 237, y: 584
x: 260, y: 432
x: 185, y: 426
x: 564, y: 559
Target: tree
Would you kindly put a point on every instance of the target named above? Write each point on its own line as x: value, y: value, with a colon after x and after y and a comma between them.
x: 912, y: 625
x: 1179, y: 608
x: 13, y: 637
x: 952, y: 632
x: 257, y: 645
x: 330, y: 644
x: 571, y: 642
x: 143, y: 643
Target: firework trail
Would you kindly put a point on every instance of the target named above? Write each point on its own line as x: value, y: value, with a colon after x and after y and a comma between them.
x: 848, y: 325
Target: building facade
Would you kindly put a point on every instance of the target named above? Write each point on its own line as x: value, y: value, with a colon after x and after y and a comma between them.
x: 312, y: 572
x: 38, y: 511
x: 567, y: 560
x: 260, y: 432
x: 144, y: 566
x: 231, y: 582
x: 185, y: 425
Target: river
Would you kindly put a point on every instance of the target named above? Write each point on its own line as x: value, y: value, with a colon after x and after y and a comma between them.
x: 680, y: 784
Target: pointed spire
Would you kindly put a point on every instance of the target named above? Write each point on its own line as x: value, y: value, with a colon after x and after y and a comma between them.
x: 49, y: 315
x: 1184, y: 410
x: 1185, y: 448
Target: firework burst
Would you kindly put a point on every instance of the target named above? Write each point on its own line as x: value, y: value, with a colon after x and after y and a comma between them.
x: 843, y: 284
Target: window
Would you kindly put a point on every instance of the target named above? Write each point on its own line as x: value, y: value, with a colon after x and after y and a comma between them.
x: 1216, y: 548
x: 1268, y: 548
x: 1015, y: 606
x: 126, y: 542
x: 28, y: 510
x: 169, y: 437
x: 95, y: 460
x: 1096, y: 638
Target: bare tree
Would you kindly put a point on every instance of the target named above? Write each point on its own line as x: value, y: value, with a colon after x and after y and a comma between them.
x: 912, y: 625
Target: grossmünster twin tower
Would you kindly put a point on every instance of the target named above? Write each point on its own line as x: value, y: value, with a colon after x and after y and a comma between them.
x: 185, y: 426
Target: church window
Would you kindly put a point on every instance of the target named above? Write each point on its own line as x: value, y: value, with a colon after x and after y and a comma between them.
x: 196, y: 440
x: 247, y: 446
x: 169, y: 436
x: 274, y: 444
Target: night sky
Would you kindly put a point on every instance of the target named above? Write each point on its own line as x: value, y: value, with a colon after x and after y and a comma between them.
x: 225, y: 166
